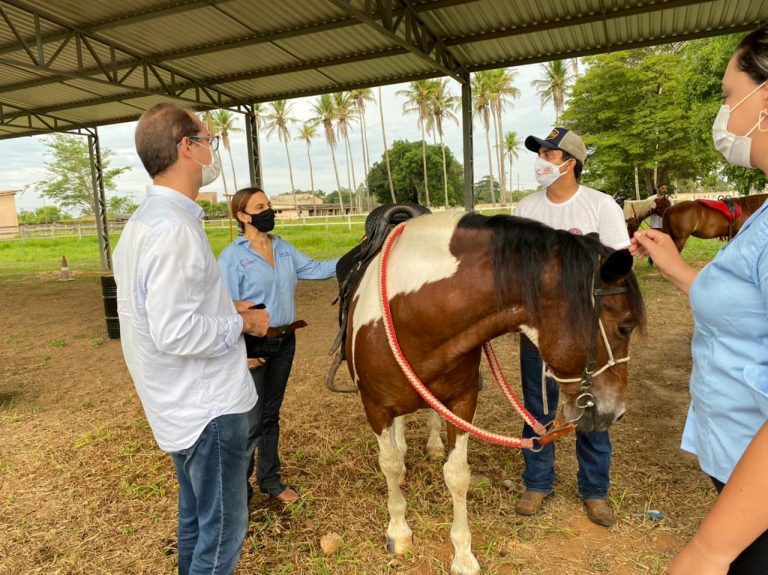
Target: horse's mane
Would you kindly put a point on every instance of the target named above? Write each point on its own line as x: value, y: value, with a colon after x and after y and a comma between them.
x: 750, y: 204
x: 521, y: 249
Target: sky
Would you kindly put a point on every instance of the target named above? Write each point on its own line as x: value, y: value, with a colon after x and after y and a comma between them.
x: 24, y: 158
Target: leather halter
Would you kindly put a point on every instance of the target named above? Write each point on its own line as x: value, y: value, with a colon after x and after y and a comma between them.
x: 586, y: 399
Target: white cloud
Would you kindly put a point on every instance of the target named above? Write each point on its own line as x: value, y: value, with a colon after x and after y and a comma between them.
x: 25, y: 158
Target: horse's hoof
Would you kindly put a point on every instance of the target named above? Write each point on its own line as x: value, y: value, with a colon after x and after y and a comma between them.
x: 467, y: 567
x: 399, y: 547
x: 437, y: 454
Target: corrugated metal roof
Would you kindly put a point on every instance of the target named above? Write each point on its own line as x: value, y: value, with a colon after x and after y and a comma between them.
x: 63, y: 66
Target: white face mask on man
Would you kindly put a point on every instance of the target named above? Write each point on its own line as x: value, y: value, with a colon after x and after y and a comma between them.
x: 212, y: 170
x: 735, y: 149
x: 547, y: 173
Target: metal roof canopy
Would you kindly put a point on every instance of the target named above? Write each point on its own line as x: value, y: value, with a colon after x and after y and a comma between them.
x: 66, y: 65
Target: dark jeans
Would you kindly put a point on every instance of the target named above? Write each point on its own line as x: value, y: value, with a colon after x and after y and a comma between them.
x: 264, y: 421
x: 213, y: 509
x: 754, y: 559
x: 593, y: 449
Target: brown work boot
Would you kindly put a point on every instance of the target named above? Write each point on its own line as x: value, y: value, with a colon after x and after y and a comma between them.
x: 530, y: 502
x: 599, y: 511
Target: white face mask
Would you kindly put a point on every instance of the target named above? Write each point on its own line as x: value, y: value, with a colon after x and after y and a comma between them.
x: 735, y: 149
x: 547, y: 173
x: 210, y: 171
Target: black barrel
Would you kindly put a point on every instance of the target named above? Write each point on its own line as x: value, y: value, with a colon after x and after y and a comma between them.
x: 109, y: 293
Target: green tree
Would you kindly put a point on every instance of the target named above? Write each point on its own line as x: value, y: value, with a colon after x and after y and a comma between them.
x: 279, y: 119
x: 512, y: 143
x: 553, y: 87
x: 481, y: 108
x: 121, y: 207
x: 325, y: 114
x: 42, y: 215
x: 406, y: 161
x: 418, y: 100
x: 307, y: 133
x: 442, y: 106
x: 68, y: 180
x: 224, y: 124
x: 501, y: 92
x: 345, y: 115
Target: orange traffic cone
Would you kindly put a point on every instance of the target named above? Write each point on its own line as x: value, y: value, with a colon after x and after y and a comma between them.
x: 65, y: 276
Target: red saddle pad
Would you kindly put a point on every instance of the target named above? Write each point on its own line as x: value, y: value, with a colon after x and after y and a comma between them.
x: 722, y: 207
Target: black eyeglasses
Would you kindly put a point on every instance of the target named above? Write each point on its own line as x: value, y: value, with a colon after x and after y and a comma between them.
x: 213, y: 141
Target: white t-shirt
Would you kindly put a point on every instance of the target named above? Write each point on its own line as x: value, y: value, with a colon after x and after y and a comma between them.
x: 654, y: 220
x: 585, y: 212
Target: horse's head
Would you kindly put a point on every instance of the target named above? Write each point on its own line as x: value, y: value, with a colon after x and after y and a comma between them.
x: 589, y: 352
x: 660, y: 205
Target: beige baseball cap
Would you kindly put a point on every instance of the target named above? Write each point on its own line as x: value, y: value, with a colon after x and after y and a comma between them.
x: 560, y: 139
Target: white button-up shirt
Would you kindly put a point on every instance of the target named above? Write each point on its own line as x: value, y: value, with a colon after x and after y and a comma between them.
x: 179, y: 328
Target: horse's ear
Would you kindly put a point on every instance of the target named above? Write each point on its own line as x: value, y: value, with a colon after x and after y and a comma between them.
x: 618, y: 264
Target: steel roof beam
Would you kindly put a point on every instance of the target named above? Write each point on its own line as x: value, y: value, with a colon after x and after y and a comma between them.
x: 400, y: 23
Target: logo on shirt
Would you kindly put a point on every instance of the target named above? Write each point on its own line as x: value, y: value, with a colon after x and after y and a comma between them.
x: 576, y: 232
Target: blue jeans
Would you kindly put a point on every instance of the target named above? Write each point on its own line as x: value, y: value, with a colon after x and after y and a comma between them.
x: 593, y: 448
x: 213, y: 509
x: 264, y: 419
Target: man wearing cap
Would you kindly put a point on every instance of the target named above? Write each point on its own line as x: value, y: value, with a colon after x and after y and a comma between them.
x: 565, y: 204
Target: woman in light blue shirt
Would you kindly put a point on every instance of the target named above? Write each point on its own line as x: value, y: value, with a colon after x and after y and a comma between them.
x: 726, y: 425
x: 264, y: 268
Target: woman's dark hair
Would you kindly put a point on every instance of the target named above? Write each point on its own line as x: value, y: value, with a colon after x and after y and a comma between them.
x: 752, y: 55
x: 240, y: 201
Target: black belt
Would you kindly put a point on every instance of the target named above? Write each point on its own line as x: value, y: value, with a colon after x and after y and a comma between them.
x: 283, y: 330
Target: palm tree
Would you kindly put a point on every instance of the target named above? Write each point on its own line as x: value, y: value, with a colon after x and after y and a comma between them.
x: 325, y: 110
x: 208, y: 119
x: 345, y: 115
x: 359, y: 99
x: 442, y: 106
x: 481, y: 100
x: 278, y: 119
x: 511, y: 144
x: 224, y: 124
x: 307, y: 133
x: 418, y: 97
x: 501, y: 92
x: 386, y: 150
x: 554, y: 85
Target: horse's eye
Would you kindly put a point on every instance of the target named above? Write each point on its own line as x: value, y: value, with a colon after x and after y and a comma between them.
x: 626, y: 330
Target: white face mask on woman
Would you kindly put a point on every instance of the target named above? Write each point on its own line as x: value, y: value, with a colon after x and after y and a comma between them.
x: 735, y: 149
x: 547, y: 173
x: 210, y: 171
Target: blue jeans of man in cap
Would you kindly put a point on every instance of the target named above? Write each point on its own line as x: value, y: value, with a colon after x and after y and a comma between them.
x: 593, y: 449
x: 213, y: 509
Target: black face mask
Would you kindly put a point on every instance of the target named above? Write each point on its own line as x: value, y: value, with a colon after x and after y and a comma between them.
x: 263, y: 221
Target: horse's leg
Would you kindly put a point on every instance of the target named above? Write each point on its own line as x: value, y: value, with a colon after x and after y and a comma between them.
x: 457, y: 474
x: 435, y: 449
x: 399, y: 535
x: 402, y: 444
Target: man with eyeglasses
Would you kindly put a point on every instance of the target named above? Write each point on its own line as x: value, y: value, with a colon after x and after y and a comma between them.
x: 181, y: 340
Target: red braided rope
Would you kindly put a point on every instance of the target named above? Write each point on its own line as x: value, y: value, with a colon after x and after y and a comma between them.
x: 414, y: 380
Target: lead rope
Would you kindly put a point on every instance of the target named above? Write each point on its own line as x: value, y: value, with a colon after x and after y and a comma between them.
x: 421, y: 389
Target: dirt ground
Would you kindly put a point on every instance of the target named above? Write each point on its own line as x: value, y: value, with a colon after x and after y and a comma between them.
x: 84, y: 489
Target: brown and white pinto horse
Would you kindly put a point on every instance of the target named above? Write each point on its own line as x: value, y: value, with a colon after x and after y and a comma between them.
x: 691, y: 218
x: 456, y: 281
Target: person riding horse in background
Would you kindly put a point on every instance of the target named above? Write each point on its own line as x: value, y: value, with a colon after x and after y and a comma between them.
x: 727, y: 424
x: 566, y: 205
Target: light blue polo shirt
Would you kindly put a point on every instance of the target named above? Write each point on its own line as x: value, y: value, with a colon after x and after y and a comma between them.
x: 729, y: 381
x: 249, y: 276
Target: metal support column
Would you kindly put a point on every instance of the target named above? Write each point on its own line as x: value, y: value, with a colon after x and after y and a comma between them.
x: 466, y: 129
x: 99, y: 201
x: 254, y: 152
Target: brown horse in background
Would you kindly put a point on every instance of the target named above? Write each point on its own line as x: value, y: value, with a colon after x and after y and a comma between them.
x: 691, y: 218
x: 455, y: 282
